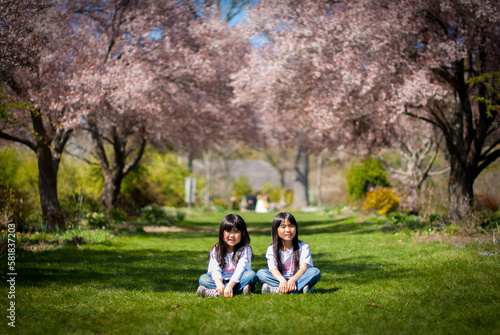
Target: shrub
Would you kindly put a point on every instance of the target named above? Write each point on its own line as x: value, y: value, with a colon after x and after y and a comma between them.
x: 14, y: 203
x: 241, y: 187
x: 361, y: 178
x: 219, y: 202
x: 275, y: 193
x: 18, y: 184
x: 98, y: 220
x: 155, y: 214
x: 382, y: 199
x: 289, y: 197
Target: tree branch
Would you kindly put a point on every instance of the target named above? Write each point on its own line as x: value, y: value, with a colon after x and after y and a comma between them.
x: 137, y: 157
x: 487, y: 161
x: 12, y: 138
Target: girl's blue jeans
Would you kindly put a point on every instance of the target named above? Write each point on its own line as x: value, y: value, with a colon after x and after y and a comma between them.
x: 310, y: 277
x: 248, y: 277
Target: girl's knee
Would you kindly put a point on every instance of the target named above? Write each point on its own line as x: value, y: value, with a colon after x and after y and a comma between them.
x: 315, y: 272
x: 250, y: 275
x: 205, y: 280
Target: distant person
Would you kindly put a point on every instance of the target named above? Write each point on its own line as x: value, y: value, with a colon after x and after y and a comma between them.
x: 260, y: 207
x: 251, y: 199
x: 243, y: 204
x: 289, y: 262
x: 230, y: 260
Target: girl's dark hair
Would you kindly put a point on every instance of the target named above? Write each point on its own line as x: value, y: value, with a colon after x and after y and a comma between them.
x: 278, y: 244
x: 228, y: 222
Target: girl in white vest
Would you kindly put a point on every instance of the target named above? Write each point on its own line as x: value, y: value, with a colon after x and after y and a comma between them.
x: 293, y: 270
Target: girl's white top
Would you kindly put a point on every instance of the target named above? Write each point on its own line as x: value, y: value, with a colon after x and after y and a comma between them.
x: 230, y: 271
x: 287, y: 259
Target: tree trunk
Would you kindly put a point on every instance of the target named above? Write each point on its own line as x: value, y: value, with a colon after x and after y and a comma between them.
x: 114, y: 173
x: 460, y: 187
x: 48, y: 167
x: 111, y: 189
x: 301, y: 185
x: 319, y: 180
x: 208, y: 176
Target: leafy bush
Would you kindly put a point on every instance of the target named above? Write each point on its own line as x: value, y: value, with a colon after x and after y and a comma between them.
x: 78, y: 185
x: 117, y: 214
x: 18, y: 184
x: 166, y: 176
x: 137, y: 191
x: 361, y: 178
x: 15, y: 204
x: 275, y: 193
x: 95, y: 219
x: 382, y: 199
x: 155, y: 214
x: 241, y: 187
x: 219, y: 202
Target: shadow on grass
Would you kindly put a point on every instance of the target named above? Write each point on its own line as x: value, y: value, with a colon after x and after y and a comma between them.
x: 326, y: 291
x: 358, y: 270
x: 144, y: 270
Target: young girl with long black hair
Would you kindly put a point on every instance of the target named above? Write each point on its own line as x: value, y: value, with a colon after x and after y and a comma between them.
x: 230, y: 261
x: 289, y: 262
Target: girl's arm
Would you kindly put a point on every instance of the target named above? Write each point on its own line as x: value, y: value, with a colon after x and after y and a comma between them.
x: 215, y: 271
x: 244, y: 264
x: 271, y: 265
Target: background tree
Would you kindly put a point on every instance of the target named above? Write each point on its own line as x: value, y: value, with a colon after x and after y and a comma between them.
x: 115, y: 85
x: 442, y: 46
x: 299, y: 79
x: 47, y: 44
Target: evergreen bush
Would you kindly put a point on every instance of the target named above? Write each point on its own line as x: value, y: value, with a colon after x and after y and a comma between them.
x: 365, y: 176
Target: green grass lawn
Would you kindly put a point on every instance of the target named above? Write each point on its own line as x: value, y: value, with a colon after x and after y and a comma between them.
x: 145, y: 283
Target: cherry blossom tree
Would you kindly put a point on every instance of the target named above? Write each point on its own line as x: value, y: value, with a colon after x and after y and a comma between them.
x: 113, y: 88
x: 442, y: 48
x: 156, y: 72
x: 46, y: 46
x: 301, y: 82
x: 195, y: 90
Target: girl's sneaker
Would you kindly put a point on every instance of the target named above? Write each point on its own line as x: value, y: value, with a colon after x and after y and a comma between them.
x: 267, y: 289
x: 202, y: 291
x: 246, y: 290
x: 306, y: 289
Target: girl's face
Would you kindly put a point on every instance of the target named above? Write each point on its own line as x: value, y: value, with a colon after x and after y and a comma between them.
x: 232, y: 238
x: 287, y: 231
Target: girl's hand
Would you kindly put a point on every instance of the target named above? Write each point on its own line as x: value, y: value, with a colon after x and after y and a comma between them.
x: 228, y: 292
x: 283, y: 288
x: 220, y: 287
x: 292, y: 286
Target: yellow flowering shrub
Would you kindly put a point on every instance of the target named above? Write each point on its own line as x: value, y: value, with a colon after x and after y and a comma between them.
x: 382, y: 199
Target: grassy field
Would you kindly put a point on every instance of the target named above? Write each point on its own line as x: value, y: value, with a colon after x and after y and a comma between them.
x: 144, y: 283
